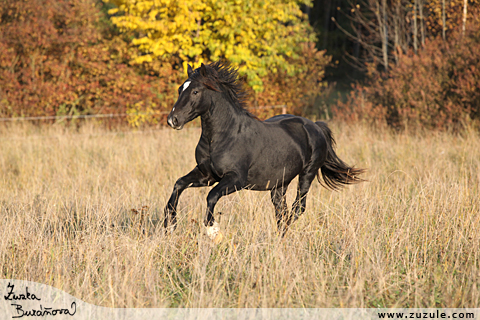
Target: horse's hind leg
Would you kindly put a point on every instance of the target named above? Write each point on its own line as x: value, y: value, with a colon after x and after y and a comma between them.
x: 281, y: 210
x: 304, y: 183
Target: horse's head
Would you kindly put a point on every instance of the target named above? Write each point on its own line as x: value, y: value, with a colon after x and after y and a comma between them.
x: 194, y: 97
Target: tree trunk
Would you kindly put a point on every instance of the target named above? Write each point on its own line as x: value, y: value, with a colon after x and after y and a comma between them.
x: 464, y: 17
x: 384, y: 34
x: 443, y: 19
x: 415, y: 29
x: 422, y: 25
x: 395, y: 30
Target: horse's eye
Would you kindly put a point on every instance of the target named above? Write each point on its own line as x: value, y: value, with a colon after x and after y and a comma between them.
x: 195, y: 92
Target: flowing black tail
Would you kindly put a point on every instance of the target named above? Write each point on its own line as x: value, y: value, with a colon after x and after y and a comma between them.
x: 335, y: 172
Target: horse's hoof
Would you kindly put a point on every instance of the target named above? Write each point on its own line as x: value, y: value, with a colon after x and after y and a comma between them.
x: 213, y: 232
x: 218, y: 238
x: 170, y: 229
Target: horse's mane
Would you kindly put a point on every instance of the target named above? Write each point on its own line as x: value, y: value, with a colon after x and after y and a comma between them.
x: 222, y: 76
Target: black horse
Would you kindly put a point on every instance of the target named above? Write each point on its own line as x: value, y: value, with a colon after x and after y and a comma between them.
x: 239, y: 151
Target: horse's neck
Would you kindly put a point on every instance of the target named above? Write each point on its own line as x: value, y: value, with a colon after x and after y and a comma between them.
x: 223, y: 117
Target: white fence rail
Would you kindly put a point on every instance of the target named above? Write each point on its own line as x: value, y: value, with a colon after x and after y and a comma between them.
x: 110, y: 115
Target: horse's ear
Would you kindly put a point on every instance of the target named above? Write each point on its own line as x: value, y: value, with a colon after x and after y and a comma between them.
x: 203, y: 70
x: 189, y: 70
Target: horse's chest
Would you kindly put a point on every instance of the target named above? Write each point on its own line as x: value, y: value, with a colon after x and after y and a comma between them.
x: 225, y: 158
x: 221, y: 164
x: 216, y: 170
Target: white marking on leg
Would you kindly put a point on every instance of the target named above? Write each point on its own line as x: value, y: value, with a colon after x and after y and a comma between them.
x: 185, y: 85
x: 213, y: 232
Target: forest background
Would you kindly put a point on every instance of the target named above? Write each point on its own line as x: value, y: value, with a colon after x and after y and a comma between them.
x: 397, y: 63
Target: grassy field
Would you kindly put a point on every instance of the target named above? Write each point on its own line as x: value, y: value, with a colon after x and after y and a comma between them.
x: 409, y: 237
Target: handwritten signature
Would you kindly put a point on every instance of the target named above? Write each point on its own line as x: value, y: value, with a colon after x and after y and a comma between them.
x: 39, y: 312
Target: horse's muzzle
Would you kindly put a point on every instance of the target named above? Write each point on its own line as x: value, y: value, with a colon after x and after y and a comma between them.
x: 173, y: 122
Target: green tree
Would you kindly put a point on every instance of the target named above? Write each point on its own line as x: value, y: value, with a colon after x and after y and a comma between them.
x: 258, y: 36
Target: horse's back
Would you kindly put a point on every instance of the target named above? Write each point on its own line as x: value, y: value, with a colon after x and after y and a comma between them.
x: 313, y: 136
x: 287, y: 118
x: 288, y: 145
x: 299, y: 126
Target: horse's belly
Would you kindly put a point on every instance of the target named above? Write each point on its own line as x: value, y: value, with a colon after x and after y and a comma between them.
x: 276, y: 169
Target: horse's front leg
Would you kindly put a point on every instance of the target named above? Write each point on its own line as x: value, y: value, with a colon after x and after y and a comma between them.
x: 193, y: 179
x: 230, y: 183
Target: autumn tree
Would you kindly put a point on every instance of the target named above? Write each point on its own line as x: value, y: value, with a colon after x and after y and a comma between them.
x: 438, y: 88
x: 261, y: 37
x: 57, y: 57
x: 386, y: 29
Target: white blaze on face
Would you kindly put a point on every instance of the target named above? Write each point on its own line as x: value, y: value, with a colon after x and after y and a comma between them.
x: 185, y: 85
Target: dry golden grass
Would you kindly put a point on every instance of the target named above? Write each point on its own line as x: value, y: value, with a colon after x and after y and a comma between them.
x: 410, y: 237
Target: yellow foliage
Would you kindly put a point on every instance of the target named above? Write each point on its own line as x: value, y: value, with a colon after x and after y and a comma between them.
x: 138, y: 114
x: 258, y: 36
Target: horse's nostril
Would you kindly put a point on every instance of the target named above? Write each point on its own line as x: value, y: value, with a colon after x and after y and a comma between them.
x: 174, y: 121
